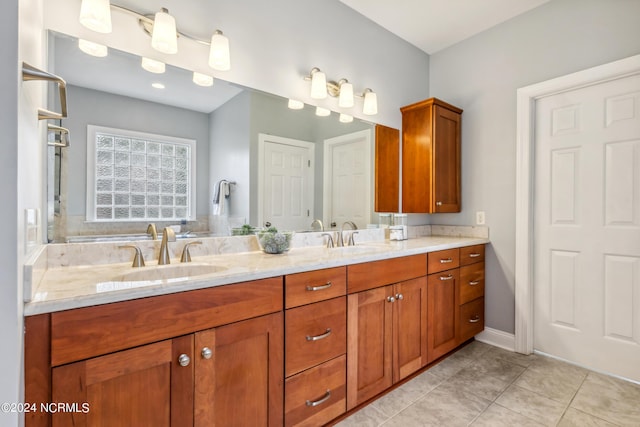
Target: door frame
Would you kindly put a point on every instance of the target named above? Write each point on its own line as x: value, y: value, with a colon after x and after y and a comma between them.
x: 263, y: 138
x: 327, y: 194
x: 525, y: 170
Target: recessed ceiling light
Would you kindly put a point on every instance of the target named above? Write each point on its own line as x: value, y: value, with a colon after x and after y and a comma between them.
x: 157, y: 85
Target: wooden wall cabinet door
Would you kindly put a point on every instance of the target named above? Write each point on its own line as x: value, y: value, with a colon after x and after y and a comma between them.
x: 239, y: 375
x: 431, y: 139
x: 442, y: 313
x: 387, y: 173
x: 369, y: 346
x: 143, y: 386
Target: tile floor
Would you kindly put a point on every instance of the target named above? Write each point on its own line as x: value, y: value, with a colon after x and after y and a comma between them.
x: 482, y: 385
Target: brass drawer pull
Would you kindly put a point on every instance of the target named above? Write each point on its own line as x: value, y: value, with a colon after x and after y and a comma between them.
x: 475, y: 319
x: 326, y: 397
x: 319, y: 337
x: 319, y: 288
x: 473, y: 283
x: 449, y: 277
x: 446, y: 260
x: 474, y: 255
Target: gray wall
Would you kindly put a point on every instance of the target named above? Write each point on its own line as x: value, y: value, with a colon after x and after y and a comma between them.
x: 481, y: 76
x: 92, y: 107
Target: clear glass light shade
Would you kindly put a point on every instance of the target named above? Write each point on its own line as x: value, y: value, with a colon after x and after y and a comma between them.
x: 346, y: 95
x: 322, y: 112
x: 164, y: 37
x: 294, y: 104
x: 202, y: 79
x: 370, y: 107
x: 219, y: 56
x: 346, y: 118
x: 153, y: 66
x: 93, y: 49
x: 318, y: 85
x: 96, y: 15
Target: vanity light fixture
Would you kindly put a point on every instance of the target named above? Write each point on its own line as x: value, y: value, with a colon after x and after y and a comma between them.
x: 322, y: 112
x: 294, y: 104
x: 96, y: 15
x: 93, y: 49
x: 345, y: 118
x: 202, y: 79
x: 164, y: 36
x: 153, y: 66
x: 342, y: 89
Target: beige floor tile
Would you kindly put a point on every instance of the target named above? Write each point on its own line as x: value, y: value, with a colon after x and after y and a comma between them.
x: 486, y: 377
x: 532, y: 405
x: 474, y: 349
x: 510, y: 356
x: 450, y: 366
x: 575, y: 418
x: 498, y: 416
x: 560, y: 385
x: 444, y: 406
x: 609, y: 398
x: 365, y: 417
x: 394, y: 402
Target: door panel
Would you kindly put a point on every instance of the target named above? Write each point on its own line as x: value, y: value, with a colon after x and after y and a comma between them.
x: 587, y: 226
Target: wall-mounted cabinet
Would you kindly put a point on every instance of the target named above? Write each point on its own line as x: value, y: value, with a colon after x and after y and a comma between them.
x: 387, y: 174
x: 431, y: 157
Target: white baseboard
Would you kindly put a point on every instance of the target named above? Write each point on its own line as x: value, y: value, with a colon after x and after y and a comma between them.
x: 497, y: 338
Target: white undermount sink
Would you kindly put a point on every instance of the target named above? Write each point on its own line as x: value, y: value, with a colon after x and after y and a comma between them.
x: 171, y: 271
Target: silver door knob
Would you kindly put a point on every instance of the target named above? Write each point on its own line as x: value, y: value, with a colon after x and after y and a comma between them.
x: 391, y: 299
x: 184, y: 360
x: 206, y: 353
x: 399, y: 296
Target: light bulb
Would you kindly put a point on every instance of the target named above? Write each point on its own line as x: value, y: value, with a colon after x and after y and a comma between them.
x: 345, y: 118
x: 318, y: 84
x: 346, y: 95
x: 322, y: 112
x: 370, y: 107
x: 294, y: 104
x: 202, y: 79
x: 96, y: 15
x: 153, y: 66
x: 219, y: 56
x: 164, y: 37
x: 93, y: 49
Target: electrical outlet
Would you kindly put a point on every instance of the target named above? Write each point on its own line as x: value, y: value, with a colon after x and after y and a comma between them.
x: 480, y: 218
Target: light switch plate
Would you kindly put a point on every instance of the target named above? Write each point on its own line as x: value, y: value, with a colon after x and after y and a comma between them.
x: 480, y: 220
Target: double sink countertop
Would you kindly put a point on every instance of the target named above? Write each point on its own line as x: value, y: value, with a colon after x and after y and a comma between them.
x: 51, y: 284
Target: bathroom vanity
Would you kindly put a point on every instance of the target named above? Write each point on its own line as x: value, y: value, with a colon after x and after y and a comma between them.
x: 293, y: 339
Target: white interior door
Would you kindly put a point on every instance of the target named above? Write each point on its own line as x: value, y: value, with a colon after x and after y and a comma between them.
x: 285, y: 183
x: 586, y: 268
x: 347, y: 183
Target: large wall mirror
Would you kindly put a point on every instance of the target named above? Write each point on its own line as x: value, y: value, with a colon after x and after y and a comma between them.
x: 245, y: 137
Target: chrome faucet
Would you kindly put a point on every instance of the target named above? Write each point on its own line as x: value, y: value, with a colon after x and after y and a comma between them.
x: 151, y: 230
x: 353, y: 226
x: 317, y: 221
x: 168, y: 235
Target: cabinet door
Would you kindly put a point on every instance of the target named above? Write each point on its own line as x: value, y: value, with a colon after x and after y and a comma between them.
x: 409, y: 327
x: 369, y: 346
x: 240, y: 381
x: 442, y: 313
x: 446, y: 161
x: 387, y: 174
x: 144, y: 386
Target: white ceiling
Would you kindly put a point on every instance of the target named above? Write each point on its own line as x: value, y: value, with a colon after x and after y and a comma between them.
x: 432, y: 25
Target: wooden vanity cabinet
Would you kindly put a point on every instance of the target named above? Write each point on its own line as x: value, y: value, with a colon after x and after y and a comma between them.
x: 145, y: 362
x: 431, y: 140
x: 387, y: 325
x: 471, y: 295
x: 315, y: 346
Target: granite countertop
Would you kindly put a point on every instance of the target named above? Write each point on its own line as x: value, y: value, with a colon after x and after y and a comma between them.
x: 67, y: 287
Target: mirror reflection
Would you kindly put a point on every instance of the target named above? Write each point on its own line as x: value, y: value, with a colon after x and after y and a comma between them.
x: 256, y: 161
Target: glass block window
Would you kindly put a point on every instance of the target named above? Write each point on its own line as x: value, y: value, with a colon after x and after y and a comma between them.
x: 134, y: 176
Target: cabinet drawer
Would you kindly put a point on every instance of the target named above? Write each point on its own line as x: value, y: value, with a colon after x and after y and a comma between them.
x: 443, y: 260
x: 316, y: 396
x: 369, y: 275
x: 471, y: 319
x: 314, y: 286
x: 471, y: 282
x: 315, y: 333
x: 471, y: 254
